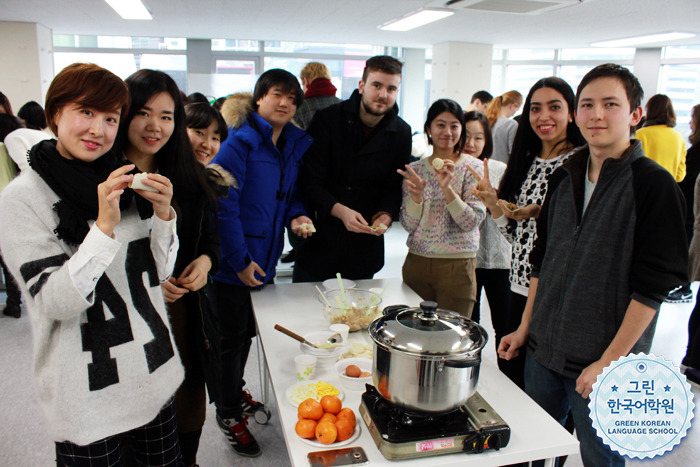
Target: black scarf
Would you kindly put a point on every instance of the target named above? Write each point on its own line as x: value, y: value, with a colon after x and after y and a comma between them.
x: 75, y: 182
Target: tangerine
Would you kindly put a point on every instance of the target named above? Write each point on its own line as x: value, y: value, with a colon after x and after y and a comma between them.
x: 310, y: 409
x: 345, y: 429
x: 306, y: 428
x: 326, y: 432
x: 328, y: 417
x: 347, y: 414
x: 331, y: 404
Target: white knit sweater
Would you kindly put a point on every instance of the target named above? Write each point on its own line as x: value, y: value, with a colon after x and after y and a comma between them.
x: 437, y: 229
x: 105, y: 361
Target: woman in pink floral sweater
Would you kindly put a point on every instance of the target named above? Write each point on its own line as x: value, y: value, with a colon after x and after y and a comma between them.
x: 441, y: 215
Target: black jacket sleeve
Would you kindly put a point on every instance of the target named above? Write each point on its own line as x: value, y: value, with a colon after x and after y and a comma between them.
x: 660, y: 258
x: 540, y: 246
x: 391, y: 194
x: 209, y: 240
x: 317, y: 166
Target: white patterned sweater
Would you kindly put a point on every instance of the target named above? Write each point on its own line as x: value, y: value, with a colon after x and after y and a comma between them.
x: 105, y: 362
x: 522, y: 234
x: 437, y: 229
x: 494, y: 250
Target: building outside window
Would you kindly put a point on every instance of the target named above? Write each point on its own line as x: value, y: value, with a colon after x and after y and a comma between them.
x: 123, y: 55
x: 680, y: 75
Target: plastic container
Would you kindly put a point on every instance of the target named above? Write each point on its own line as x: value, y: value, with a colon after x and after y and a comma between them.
x: 355, y: 307
x: 325, y: 358
x: 350, y: 383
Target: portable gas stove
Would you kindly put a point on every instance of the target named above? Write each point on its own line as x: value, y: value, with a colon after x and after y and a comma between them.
x: 473, y: 428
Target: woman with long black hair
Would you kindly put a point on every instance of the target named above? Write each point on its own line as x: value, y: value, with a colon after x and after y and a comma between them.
x: 153, y: 136
x: 547, y: 134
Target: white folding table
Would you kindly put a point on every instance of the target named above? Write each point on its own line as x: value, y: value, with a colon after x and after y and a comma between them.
x: 534, y: 434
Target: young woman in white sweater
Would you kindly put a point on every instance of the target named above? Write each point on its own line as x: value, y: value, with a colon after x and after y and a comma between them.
x: 493, y: 258
x: 89, y: 254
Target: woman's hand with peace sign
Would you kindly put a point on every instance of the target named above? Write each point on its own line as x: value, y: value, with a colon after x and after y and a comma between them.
x: 485, y: 191
x: 414, y: 183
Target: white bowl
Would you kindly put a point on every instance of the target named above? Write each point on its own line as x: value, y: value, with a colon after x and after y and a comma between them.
x: 354, y: 384
x: 325, y: 358
x: 332, y: 284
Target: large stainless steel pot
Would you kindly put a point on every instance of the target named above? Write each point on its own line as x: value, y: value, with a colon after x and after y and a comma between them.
x: 425, y: 359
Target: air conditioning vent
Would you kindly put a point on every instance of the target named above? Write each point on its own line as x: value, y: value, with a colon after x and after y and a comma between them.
x: 517, y: 7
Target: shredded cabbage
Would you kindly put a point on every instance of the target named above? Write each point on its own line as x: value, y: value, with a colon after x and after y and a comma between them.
x: 313, y: 391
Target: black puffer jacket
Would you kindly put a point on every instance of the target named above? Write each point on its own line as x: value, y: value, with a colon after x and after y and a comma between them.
x: 196, y: 229
x: 345, y: 166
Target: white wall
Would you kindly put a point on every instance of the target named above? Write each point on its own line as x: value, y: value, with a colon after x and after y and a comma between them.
x: 459, y: 70
x: 26, y: 50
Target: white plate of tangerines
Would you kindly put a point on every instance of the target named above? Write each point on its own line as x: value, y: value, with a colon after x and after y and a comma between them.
x: 326, y: 423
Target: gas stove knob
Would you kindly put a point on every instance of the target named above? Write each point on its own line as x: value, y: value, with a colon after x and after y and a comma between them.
x: 493, y: 442
x: 474, y: 443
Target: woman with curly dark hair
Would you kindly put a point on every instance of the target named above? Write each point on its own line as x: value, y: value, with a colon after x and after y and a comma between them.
x: 546, y: 137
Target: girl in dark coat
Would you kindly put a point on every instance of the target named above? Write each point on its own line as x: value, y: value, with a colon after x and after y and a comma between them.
x: 153, y: 136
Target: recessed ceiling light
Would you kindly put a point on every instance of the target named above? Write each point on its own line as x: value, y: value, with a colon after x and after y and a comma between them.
x: 416, y: 19
x: 646, y: 39
x: 130, y: 9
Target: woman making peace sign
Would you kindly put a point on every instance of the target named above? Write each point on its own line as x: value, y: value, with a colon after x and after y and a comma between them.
x: 441, y: 216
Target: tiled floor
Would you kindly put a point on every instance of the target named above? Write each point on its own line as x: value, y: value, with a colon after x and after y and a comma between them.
x: 24, y: 442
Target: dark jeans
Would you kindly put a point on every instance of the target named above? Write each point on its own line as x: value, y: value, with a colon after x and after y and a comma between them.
x: 557, y: 395
x: 497, y: 286
x: 692, y: 355
x: 515, y: 367
x: 234, y: 311
x: 294, y: 240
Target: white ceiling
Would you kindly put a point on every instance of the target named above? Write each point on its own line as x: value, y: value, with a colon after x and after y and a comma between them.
x: 356, y: 21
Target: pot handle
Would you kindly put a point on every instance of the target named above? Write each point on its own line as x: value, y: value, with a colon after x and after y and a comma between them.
x: 393, y: 308
x: 464, y: 363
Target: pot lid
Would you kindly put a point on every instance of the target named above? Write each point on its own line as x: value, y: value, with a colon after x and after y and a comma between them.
x: 428, y: 331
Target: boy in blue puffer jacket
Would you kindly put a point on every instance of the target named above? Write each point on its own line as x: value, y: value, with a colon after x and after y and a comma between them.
x: 264, y: 153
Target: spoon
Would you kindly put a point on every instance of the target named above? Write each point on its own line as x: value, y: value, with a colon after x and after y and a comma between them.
x: 334, y: 339
x: 331, y: 342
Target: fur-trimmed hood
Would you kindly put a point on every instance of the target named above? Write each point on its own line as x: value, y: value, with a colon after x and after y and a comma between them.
x: 236, y: 109
x: 220, y: 180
